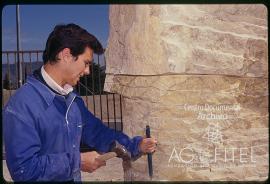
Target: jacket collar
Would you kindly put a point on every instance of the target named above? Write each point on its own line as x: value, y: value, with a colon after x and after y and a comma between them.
x: 47, y: 94
x: 52, y: 84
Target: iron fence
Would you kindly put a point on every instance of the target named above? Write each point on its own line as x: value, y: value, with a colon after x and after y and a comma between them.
x: 104, y: 105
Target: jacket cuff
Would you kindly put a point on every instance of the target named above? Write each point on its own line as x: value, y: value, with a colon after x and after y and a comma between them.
x: 137, y: 152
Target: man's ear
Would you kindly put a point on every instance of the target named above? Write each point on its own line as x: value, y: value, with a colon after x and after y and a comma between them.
x: 65, y: 54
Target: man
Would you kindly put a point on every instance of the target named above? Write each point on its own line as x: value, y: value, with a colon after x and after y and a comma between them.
x: 44, y: 121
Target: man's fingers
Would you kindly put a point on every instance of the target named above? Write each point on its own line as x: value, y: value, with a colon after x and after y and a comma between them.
x: 100, y: 162
x: 151, y: 147
x: 151, y: 144
x: 152, y: 150
x: 148, y: 145
x: 150, y: 140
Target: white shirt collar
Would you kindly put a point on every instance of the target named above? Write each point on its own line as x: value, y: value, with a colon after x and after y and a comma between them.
x: 63, y: 91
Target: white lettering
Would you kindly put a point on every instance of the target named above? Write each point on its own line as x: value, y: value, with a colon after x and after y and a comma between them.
x: 226, y: 159
x: 242, y: 154
x: 216, y: 154
x: 174, y: 155
x: 251, y: 155
x: 185, y: 161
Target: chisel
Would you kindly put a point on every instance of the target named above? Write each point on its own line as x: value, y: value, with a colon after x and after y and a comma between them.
x: 149, y: 155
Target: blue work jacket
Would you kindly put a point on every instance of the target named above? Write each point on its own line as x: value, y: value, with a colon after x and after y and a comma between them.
x: 43, y: 130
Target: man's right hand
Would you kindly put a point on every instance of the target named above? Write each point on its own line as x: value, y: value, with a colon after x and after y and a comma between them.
x: 89, y: 163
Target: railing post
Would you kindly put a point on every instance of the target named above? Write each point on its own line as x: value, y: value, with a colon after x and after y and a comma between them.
x: 18, y: 46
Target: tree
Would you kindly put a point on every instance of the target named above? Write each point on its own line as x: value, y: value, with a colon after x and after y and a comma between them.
x: 93, y: 82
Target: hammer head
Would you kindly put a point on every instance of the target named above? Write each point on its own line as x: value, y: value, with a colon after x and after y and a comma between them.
x: 121, y: 151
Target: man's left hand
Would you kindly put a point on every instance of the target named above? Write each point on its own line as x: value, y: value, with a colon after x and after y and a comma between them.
x: 148, y: 145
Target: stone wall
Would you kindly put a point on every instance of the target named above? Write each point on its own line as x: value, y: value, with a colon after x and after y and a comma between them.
x: 198, y: 75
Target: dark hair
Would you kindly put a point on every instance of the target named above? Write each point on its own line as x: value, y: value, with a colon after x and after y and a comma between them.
x: 69, y: 36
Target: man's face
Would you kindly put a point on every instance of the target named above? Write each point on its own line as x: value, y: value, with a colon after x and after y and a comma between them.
x: 78, y: 68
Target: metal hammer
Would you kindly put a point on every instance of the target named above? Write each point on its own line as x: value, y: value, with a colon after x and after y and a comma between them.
x: 117, y: 150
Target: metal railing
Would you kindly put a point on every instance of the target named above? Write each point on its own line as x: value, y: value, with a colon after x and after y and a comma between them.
x: 104, y: 105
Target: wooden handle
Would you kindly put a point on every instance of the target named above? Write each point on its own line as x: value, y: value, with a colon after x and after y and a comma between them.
x: 106, y: 156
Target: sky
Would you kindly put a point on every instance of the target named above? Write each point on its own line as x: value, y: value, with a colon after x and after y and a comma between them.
x: 37, y: 21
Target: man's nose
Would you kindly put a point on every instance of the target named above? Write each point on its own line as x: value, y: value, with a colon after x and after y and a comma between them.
x: 86, y: 71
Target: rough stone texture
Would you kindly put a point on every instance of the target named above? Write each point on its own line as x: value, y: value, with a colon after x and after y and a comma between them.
x: 198, y: 75
x: 190, y: 39
x: 164, y: 102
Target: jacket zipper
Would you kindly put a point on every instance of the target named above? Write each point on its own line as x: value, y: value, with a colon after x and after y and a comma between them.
x: 67, y: 112
x: 68, y: 125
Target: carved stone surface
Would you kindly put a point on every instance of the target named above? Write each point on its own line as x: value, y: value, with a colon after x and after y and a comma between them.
x: 197, y: 74
x: 190, y: 39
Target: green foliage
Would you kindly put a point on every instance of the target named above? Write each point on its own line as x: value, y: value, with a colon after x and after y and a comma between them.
x: 94, y: 81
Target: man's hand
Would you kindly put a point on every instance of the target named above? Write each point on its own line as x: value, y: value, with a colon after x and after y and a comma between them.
x: 148, y: 145
x: 89, y: 163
